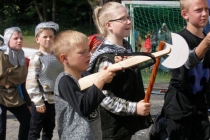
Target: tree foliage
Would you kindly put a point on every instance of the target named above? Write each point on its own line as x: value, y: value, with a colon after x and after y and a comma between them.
x: 67, y: 13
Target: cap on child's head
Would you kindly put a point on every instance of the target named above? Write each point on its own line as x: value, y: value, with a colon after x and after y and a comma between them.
x: 8, y: 33
x: 49, y: 24
x: 95, y: 40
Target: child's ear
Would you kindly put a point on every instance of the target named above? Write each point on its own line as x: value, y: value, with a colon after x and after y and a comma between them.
x: 184, y: 14
x: 108, y: 25
x: 63, y: 59
x: 37, y: 40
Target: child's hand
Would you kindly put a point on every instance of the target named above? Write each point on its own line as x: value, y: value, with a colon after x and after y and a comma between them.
x: 119, y: 58
x: 207, y: 39
x: 106, y: 75
x: 41, y: 109
x: 143, y: 109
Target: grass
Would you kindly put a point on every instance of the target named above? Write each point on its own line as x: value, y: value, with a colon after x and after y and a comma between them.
x: 161, y: 77
x: 29, y: 42
x: 161, y: 80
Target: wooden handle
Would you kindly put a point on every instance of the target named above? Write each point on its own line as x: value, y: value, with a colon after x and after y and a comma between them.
x: 153, y: 75
x: 87, y: 81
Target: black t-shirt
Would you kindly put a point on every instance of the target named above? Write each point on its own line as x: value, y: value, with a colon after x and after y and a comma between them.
x: 194, y: 80
x: 84, y: 103
x: 185, y: 95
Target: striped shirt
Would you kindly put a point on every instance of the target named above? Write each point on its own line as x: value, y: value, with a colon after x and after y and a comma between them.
x: 115, y: 104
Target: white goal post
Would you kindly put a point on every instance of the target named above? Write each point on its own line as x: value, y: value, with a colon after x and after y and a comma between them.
x: 148, y: 16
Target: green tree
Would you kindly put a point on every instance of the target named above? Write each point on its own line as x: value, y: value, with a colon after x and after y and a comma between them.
x: 42, y: 9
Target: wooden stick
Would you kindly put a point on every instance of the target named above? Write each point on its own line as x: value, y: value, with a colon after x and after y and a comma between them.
x: 153, y: 75
x: 87, y: 81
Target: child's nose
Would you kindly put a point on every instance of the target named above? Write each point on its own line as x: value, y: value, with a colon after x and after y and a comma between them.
x: 129, y: 21
x: 19, y: 40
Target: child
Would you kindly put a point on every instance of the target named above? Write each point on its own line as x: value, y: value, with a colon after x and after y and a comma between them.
x: 154, y: 41
x: 137, y: 40
x: 164, y: 34
x: 185, y: 107
x: 147, y: 43
x: 42, y: 72
x: 123, y: 111
x: 73, y: 107
x: 13, y: 72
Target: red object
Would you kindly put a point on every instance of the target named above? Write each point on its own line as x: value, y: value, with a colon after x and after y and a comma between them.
x: 27, y: 62
x: 95, y: 40
x: 148, y: 44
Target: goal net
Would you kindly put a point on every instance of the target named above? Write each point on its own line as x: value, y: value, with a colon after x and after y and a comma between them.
x: 149, y: 16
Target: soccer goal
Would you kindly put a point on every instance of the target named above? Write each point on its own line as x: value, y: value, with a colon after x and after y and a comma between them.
x: 149, y: 16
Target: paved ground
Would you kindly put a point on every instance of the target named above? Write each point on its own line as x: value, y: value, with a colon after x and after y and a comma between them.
x: 13, y: 127
x: 156, y: 100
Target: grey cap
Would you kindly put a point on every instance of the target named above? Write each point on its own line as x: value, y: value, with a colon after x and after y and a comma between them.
x: 8, y: 33
x: 49, y: 24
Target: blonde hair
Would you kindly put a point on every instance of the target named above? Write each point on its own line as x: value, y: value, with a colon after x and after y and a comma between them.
x: 67, y: 40
x: 184, y: 4
x: 103, y: 14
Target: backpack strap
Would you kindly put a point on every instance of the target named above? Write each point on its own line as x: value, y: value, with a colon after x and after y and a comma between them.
x: 104, y: 57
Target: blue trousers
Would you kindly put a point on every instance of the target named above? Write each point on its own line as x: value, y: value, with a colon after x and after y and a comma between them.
x: 22, y: 114
x: 44, y: 122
